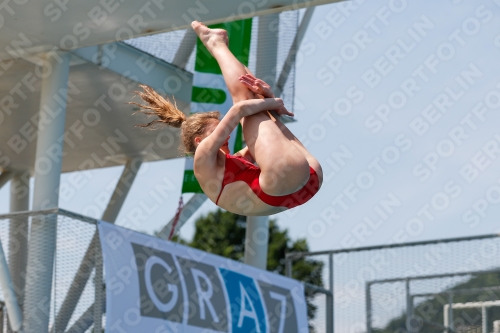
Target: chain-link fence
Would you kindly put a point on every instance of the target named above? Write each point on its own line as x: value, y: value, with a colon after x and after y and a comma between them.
x: 320, y: 298
x: 77, y: 302
x: 472, y: 309
x: 77, y: 256
x: 447, y: 285
x: 434, y: 303
x: 406, y: 287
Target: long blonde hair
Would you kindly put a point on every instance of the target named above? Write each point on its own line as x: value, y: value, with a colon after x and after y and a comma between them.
x: 168, y: 113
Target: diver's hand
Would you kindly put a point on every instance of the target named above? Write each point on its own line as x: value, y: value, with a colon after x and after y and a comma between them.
x: 258, y: 86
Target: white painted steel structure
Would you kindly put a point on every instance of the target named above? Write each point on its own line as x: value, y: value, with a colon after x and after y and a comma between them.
x: 256, y: 241
x: 257, y: 229
x: 76, y: 118
x: 46, y: 193
x: 448, y: 314
x: 18, y: 234
x: 99, y: 129
x: 45, y: 25
x: 345, y: 257
x: 92, y: 258
x: 13, y: 309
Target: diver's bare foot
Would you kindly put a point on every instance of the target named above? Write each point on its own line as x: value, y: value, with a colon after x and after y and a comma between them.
x: 210, y: 37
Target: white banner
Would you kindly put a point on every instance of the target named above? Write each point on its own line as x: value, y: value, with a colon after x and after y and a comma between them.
x: 156, y: 286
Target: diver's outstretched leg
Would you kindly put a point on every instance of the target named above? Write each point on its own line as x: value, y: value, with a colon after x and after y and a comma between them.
x: 216, y: 41
x: 284, y: 169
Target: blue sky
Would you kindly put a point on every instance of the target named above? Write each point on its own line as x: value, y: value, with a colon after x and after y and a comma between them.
x: 399, y: 102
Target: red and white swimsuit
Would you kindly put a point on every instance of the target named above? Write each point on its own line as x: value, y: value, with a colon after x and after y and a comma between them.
x: 237, y: 168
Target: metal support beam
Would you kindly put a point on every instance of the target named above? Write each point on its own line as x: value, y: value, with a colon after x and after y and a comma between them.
x: 368, y: 301
x: 451, y: 324
x: 189, y: 209
x: 298, y: 255
x: 98, y: 289
x: 257, y: 233
x: 484, y: 315
x: 329, y: 298
x: 434, y: 276
x: 121, y: 190
x: 48, y: 164
x: 82, y: 275
x: 256, y: 241
x: 18, y: 233
x: 290, y: 59
x: 468, y: 305
x: 446, y: 315
x: 86, y: 319
x: 144, y: 68
x: 9, y: 294
x: 185, y: 49
x: 409, y: 306
x: 460, y: 291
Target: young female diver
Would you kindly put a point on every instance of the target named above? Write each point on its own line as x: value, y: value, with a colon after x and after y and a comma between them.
x: 287, y: 175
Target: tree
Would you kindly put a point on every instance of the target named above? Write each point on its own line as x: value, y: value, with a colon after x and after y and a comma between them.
x: 223, y: 233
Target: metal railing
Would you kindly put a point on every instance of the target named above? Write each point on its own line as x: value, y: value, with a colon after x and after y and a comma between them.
x: 352, y: 272
x: 78, y: 294
x: 414, y: 320
x: 76, y: 236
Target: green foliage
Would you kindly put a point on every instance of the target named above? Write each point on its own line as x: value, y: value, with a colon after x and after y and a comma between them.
x: 223, y: 233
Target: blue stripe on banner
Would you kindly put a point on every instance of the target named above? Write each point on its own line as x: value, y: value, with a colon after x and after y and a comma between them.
x: 247, y: 310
